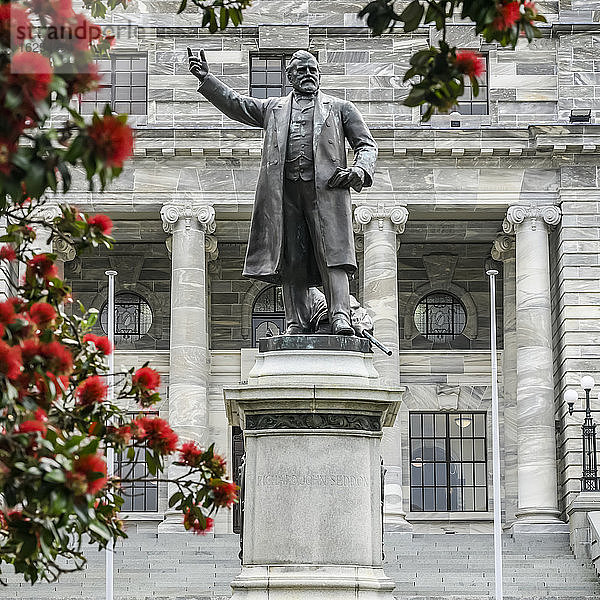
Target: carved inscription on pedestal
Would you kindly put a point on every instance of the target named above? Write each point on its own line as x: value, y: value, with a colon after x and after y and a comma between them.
x: 312, y: 480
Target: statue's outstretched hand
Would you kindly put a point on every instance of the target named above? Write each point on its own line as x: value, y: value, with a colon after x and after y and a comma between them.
x: 198, y: 65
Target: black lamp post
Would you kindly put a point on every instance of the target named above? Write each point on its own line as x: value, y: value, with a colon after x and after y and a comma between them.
x: 589, y: 480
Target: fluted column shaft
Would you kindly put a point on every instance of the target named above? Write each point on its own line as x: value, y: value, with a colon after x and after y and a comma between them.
x: 536, y: 471
x: 189, y: 351
x: 380, y: 227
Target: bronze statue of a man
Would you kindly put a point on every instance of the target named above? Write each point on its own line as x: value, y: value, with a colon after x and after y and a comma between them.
x: 301, y: 231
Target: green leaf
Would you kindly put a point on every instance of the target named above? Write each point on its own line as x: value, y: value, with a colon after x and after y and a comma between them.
x: 175, y: 498
x: 412, y: 15
x: 100, y: 529
x: 151, y: 462
x: 55, y: 476
x: 182, y: 6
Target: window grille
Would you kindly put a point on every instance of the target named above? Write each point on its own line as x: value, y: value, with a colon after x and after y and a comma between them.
x: 123, y: 85
x: 440, y: 317
x: 140, y: 496
x: 448, y: 462
x: 133, y: 317
x: 268, y: 314
x: 267, y: 75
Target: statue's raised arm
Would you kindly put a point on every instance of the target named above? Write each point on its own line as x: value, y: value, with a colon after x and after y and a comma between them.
x: 301, y: 233
x: 244, y: 109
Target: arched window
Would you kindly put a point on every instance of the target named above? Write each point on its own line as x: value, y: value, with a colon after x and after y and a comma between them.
x: 268, y: 315
x: 440, y: 317
x: 133, y: 317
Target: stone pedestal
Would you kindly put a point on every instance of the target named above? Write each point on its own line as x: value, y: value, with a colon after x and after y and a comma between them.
x: 312, y: 419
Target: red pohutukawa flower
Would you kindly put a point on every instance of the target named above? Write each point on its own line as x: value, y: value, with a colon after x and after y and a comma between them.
x: 88, y: 475
x: 7, y: 312
x: 157, y: 433
x: 49, y: 387
x: 470, y: 63
x: 10, y: 361
x: 146, y: 378
x: 102, y: 223
x: 224, y: 493
x: 32, y: 73
x: 43, y: 266
x: 58, y: 358
x: 192, y: 522
x: 509, y: 13
x: 42, y: 313
x: 14, y: 24
x: 32, y: 426
x: 112, y: 140
x: 101, y: 342
x: 91, y: 391
x: 7, y: 252
x: 190, y: 454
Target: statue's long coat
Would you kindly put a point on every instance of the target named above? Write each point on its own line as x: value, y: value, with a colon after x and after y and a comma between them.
x: 334, y: 121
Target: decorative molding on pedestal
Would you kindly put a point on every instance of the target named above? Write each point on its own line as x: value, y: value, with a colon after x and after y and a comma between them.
x: 518, y: 213
x: 502, y: 247
x: 363, y: 215
x: 314, y: 421
x: 171, y: 213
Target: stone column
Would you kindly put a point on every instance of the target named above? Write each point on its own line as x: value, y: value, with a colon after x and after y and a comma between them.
x: 189, y: 348
x: 503, y: 249
x: 536, y: 471
x: 380, y: 226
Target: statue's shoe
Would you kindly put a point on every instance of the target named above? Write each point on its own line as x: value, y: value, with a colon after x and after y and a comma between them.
x: 296, y: 330
x: 341, y: 326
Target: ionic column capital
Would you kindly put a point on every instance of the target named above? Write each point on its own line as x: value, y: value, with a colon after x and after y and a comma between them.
x: 204, y: 214
x: 364, y: 215
x: 502, y: 246
x: 549, y: 214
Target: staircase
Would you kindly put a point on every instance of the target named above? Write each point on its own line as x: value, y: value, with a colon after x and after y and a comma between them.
x: 424, y: 567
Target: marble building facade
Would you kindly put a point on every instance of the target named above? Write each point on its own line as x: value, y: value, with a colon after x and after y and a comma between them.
x: 518, y: 185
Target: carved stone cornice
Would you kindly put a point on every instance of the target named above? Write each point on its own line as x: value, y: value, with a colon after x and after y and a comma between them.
x: 363, y: 215
x: 355, y: 422
x: 205, y: 214
x: 502, y: 247
x: 519, y: 213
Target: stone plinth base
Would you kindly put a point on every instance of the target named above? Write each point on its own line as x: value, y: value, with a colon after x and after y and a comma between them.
x: 584, y: 503
x: 312, y: 415
x: 538, y: 520
x: 300, y: 582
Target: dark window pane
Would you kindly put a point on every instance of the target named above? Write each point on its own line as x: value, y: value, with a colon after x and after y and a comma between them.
x: 416, y: 473
x: 467, y: 450
x: 455, y: 450
x: 122, y: 93
x: 138, y: 108
x: 440, y: 426
x: 440, y: 450
x: 479, y: 449
x: 428, y: 474
x: 441, y: 474
x: 441, y: 499
x: 428, y: 450
x: 468, y: 499
x: 480, y: 474
x: 428, y: 499
x: 123, y: 78
x: 416, y: 498
x: 138, y: 79
x: 428, y: 425
x: 415, y: 425
x: 467, y: 474
x: 416, y: 453
x: 480, y: 499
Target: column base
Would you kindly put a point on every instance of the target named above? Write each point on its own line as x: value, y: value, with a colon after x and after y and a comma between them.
x: 538, y: 520
x: 307, y: 582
